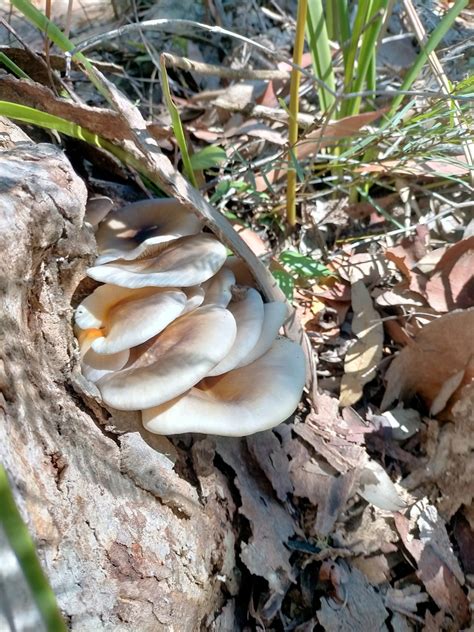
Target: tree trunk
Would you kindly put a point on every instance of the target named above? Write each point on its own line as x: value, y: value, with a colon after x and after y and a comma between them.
x: 126, y: 542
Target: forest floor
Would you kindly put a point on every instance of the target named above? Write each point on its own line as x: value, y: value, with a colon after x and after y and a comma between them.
x: 358, y: 513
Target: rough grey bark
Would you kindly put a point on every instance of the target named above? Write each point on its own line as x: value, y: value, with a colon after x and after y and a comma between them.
x: 127, y: 543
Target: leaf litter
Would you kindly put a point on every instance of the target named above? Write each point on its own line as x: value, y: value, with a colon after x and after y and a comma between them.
x: 357, y: 514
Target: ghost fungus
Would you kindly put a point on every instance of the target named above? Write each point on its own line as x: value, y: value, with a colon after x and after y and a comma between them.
x: 248, y: 313
x: 178, y: 331
x: 143, y: 229
x: 95, y: 365
x: 274, y: 315
x: 241, y: 402
x: 132, y: 322
x: 173, y: 362
x: 187, y: 261
x: 218, y: 290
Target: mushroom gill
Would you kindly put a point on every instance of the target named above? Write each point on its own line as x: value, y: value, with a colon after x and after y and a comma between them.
x: 173, y: 333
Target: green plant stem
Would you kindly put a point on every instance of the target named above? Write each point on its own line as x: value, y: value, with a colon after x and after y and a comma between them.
x: 321, y: 56
x: 433, y: 41
x: 176, y: 123
x: 293, y: 110
x: 24, y: 549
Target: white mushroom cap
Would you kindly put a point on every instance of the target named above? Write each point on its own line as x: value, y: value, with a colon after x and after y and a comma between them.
x: 174, y: 361
x: 248, y: 314
x: 143, y: 228
x: 132, y: 322
x: 242, y: 402
x: 195, y: 296
x: 92, y: 312
x: 274, y: 316
x: 94, y: 365
x: 218, y: 290
x: 187, y: 261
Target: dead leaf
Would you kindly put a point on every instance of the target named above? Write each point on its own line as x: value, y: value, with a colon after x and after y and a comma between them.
x: 321, y: 485
x: 440, y: 582
x: 252, y: 239
x: 361, y: 360
x: 376, y: 487
x: 456, y: 166
x: 365, y: 267
x: 334, y: 131
x: 361, y: 609
x: 273, y: 461
x: 452, y: 284
x: 101, y: 121
x: 439, y: 351
x: 317, y: 139
x: 265, y: 553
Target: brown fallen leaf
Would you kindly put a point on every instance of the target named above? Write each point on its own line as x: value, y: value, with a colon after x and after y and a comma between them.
x: 452, y: 284
x: 265, y: 553
x: 440, y: 582
x: 361, y: 606
x: 457, y: 166
x: 361, y: 360
x: 440, y: 351
x: 322, y: 137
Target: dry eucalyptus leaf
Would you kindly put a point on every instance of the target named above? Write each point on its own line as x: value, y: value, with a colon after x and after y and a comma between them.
x: 452, y: 284
x: 439, y: 352
x: 377, y: 489
x: 363, y: 356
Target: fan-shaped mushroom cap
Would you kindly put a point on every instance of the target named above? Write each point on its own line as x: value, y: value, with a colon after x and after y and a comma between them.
x: 132, y: 322
x: 92, y: 312
x: 187, y: 261
x: 195, y: 296
x: 242, y: 402
x: 143, y: 228
x: 248, y: 314
x: 94, y: 365
x: 218, y: 290
x: 274, y: 316
x: 174, y: 361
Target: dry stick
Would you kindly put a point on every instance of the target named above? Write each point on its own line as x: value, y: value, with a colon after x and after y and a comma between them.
x: 262, y: 111
x: 237, y: 74
x: 294, y: 102
x: 440, y: 76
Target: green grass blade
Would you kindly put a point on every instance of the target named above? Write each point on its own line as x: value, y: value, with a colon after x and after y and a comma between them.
x: 316, y: 33
x: 176, y: 123
x: 433, y: 41
x: 24, y: 549
x: 342, y: 25
x: 367, y: 53
x: 39, y: 19
x: 12, y: 67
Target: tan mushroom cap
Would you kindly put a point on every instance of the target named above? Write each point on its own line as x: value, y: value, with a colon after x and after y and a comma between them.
x: 187, y: 261
x: 248, y: 314
x: 92, y: 312
x: 173, y: 362
x: 133, y: 322
x: 143, y: 228
x: 274, y: 316
x: 195, y: 298
x: 242, y: 402
x: 94, y: 366
x: 218, y: 290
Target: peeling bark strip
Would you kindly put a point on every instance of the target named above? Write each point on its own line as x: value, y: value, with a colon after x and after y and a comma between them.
x: 114, y: 538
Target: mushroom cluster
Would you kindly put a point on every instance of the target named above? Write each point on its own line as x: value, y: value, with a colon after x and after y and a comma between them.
x: 174, y: 333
